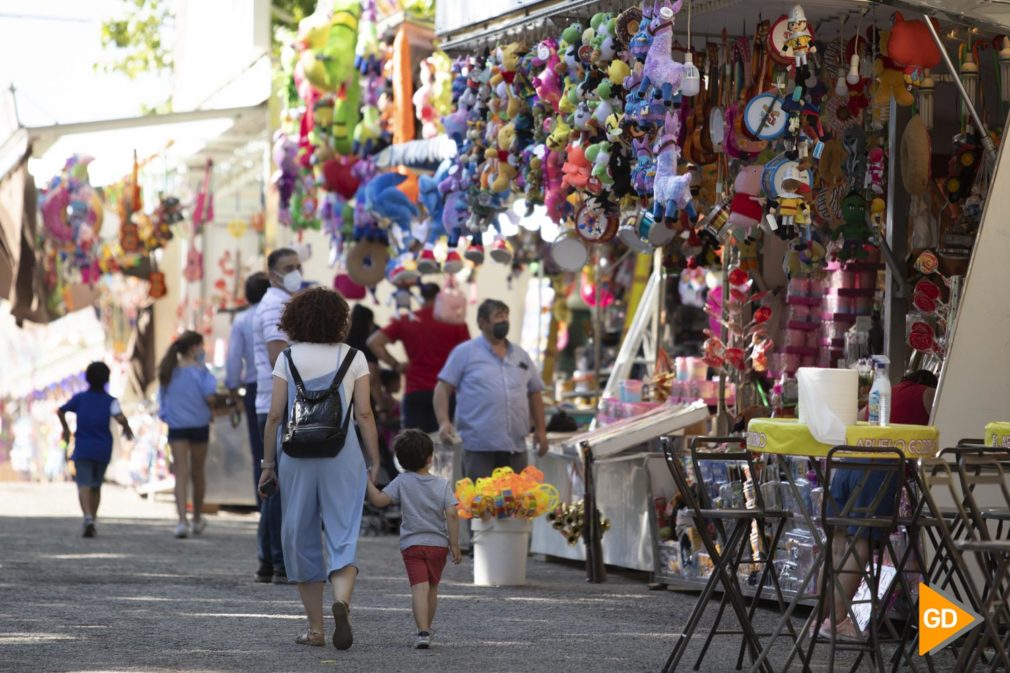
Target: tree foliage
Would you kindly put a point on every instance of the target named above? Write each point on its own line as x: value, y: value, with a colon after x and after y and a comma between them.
x: 135, y: 38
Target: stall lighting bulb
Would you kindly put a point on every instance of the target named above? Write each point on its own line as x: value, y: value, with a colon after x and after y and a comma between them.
x: 841, y: 88
x: 853, y: 76
x: 691, y: 84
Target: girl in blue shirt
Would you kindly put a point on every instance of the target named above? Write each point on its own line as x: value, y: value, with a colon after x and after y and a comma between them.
x: 185, y: 395
x: 95, y: 409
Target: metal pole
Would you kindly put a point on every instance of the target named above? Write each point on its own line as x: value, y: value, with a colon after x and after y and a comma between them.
x: 722, y: 415
x: 987, y: 144
x: 598, y: 330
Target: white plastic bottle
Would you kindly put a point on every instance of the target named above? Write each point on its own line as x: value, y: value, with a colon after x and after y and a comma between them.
x: 880, y: 395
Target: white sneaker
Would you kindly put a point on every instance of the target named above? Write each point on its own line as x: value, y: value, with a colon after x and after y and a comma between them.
x: 422, y: 641
x: 182, y: 529
x: 199, y: 525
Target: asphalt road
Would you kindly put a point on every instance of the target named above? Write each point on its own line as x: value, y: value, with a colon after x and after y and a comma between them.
x: 136, y: 599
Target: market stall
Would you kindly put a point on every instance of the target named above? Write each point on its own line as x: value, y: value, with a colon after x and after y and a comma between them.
x: 820, y: 172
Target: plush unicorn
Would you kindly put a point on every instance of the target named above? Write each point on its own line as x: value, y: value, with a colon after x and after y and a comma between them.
x: 661, y: 72
x: 671, y: 192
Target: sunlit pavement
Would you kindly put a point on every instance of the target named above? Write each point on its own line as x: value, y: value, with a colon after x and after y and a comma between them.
x: 136, y: 599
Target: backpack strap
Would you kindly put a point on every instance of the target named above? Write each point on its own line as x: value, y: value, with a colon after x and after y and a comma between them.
x: 338, y: 378
x: 299, y: 384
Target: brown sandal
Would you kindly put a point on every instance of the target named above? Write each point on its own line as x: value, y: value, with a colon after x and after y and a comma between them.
x: 342, y: 636
x: 314, y: 638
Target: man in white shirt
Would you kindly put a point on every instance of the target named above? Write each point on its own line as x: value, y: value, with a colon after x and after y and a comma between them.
x: 284, y: 269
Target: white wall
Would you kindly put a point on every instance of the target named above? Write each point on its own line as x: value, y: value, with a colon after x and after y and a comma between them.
x: 975, y: 381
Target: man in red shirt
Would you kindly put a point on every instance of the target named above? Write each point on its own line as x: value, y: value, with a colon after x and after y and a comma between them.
x: 428, y: 343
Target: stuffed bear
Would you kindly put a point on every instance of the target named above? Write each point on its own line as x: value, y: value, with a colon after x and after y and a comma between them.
x: 890, y: 78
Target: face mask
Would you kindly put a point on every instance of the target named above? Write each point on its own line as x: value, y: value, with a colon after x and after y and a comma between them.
x: 201, y: 358
x: 500, y: 329
x: 292, y: 281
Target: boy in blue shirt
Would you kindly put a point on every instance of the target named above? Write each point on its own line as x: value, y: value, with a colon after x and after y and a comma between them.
x: 429, y: 528
x: 95, y: 409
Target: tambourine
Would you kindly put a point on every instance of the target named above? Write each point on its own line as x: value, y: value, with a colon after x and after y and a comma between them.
x: 775, y: 173
x: 764, y: 117
x: 629, y: 235
x: 569, y: 252
x: 777, y: 36
x: 366, y: 263
x: 594, y: 225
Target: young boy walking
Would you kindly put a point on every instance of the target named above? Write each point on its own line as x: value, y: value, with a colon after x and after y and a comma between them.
x: 95, y: 409
x: 429, y: 528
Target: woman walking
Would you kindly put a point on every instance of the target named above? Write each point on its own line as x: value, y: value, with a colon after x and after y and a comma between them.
x: 185, y: 394
x: 322, y: 483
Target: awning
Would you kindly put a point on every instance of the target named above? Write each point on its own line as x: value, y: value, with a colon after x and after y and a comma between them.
x: 423, y: 155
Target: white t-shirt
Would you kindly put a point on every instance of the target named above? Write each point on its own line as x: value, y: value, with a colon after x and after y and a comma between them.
x: 315, y: 360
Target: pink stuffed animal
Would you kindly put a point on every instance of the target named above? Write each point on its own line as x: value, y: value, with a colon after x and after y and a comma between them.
x: 554, y: 193
x: 548, y: 82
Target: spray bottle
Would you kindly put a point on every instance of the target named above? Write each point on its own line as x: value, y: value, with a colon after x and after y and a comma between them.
x: 880, y: 393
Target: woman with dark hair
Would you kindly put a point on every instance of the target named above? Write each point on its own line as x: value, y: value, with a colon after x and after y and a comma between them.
x: 362, y: 325
x: 321, y: 497
x: 186, y: 390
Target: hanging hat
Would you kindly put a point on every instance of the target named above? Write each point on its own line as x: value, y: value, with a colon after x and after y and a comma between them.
x: 453, y: 262
x: 796, y: 14
x: 501, y: 251
x: 915, y: 151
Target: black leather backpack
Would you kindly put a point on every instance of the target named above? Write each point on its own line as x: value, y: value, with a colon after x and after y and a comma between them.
x: 317, y: 425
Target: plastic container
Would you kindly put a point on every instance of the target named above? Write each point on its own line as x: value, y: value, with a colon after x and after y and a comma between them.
x: 796, y: 338
x: 880, y: 394
x: 799, y: 313
x: 500, y: 547
x: 798, y: 287
x: 631, y: 390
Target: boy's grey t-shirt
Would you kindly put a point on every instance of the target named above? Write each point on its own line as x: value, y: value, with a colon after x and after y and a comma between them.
x: 423, y: 499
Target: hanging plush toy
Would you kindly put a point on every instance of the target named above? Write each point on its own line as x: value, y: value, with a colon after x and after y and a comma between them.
x: 661, y: 73
x: 424, y: 100
x: 911, y: 45
x: 328, y: 40
x: 854, y: 233
x: 671, y: 192
x: 389, y: 204
x: 875, y: 170
x: 577, y: 168
x: 746, y: 207
x: 548, y: 83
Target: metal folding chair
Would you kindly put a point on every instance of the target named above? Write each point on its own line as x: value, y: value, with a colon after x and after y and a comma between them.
x: 987, y: 472
x: 877, y: 479
x: 735, y: 524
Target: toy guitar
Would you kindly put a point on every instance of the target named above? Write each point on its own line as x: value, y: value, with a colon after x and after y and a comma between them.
x: 203, y: 207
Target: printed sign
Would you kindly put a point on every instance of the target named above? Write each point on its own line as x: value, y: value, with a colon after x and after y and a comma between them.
x: 941, y: 620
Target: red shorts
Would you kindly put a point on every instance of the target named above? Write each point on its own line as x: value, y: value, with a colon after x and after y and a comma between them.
x: 424, y: 564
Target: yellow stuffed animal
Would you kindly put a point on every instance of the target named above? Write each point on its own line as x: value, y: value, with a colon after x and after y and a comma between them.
x: 890, y: 81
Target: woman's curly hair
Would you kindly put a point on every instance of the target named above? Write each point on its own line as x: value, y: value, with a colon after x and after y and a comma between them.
x: 316, y: 316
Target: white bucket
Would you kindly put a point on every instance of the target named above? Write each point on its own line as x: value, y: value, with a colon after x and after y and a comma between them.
x: 499, y: 551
